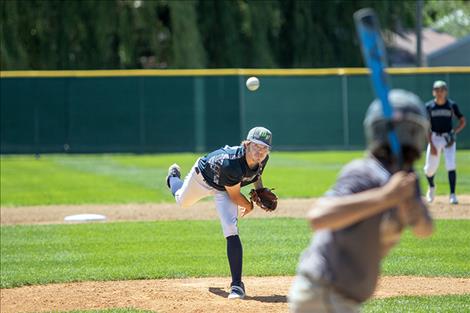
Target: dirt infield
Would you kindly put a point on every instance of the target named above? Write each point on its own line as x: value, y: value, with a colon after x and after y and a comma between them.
x: 201, y: 211
x: 265, y: 294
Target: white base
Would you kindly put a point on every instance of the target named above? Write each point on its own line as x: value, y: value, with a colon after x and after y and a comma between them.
x: 85, y: 218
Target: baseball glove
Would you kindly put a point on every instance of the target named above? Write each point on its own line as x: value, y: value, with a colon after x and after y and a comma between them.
x: 450, y: 138
x: 264, y: 198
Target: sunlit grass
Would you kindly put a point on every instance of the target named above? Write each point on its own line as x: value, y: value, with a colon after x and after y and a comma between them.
x: 173, y: 249
x: 90, y: 179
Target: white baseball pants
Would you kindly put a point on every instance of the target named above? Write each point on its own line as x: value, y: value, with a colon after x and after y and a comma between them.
x: 307, y: 296
x: 194, y: 188
x: 432, y: 161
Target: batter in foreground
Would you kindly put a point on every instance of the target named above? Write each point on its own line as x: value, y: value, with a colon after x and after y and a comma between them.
x: 362, y: 216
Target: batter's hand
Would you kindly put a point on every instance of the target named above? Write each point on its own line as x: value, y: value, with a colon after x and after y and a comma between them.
x: 433, y: 149
x: 401, y: 186
x: 245, y: 211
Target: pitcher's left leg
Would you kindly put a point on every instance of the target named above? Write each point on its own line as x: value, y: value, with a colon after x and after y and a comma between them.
x: 228, y: 215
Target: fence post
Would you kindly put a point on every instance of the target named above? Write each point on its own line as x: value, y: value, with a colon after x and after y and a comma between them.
x: 241, y: 104
x: 67, y: 81
x: 142, y: 135
x: 344, y: 92
x: 199, y: 114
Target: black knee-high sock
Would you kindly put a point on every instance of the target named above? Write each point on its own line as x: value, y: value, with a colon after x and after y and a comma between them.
x: 235, y: 258
x: 430, y: 181
x: 452, y: 180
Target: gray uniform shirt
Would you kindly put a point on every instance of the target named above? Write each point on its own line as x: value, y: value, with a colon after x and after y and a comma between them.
x: 348, y: 259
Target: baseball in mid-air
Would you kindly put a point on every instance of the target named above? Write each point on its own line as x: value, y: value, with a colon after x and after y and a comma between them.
x: 252, y: 83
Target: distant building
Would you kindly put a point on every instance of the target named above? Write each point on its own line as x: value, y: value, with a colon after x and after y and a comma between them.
x: 456, y: 54
x: 402, y: 47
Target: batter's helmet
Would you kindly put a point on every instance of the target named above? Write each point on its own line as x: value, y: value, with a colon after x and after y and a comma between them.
x: 409, y: 121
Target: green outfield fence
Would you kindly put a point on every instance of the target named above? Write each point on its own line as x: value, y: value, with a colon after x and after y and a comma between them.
x: 144, y: 111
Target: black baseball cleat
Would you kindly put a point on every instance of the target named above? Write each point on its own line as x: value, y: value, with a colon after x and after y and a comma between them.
x: 237, y: 292
x: 173, y: 171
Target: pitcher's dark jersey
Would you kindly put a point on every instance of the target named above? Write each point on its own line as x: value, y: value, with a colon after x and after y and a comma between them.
x: 441, y: 115
x: 227, y: 166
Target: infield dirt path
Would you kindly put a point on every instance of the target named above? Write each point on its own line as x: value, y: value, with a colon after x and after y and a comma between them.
x: 205, y: 210
x: 265, y: 294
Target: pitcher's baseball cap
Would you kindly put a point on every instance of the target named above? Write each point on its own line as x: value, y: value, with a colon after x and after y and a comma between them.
x: 260, y: 135
x: 439, y: 84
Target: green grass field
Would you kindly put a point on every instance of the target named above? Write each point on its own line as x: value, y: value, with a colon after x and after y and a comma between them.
x: 437, y: 304
x: 41, y: 254
x: 94, y: 179
x: 174, y: 249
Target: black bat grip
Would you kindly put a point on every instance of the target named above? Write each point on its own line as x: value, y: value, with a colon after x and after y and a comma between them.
x: 418, y: 185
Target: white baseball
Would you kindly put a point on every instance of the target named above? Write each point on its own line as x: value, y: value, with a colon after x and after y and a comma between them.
x: 252, y: 83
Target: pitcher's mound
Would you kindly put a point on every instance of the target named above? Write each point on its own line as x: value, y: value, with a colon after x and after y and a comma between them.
x: 264, y: 294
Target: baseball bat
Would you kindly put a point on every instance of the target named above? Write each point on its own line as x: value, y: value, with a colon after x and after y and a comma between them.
x: 374, y: 55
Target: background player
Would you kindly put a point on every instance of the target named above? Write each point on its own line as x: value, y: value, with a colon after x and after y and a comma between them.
x: 441, y: 111
x: 222, y: 173
x: 363, y: 215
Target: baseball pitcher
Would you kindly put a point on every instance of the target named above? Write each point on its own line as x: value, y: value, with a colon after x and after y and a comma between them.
x: 221, y: 174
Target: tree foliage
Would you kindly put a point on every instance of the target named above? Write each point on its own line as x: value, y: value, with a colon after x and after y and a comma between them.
x: 112, y: 34
x: 452, y: 17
